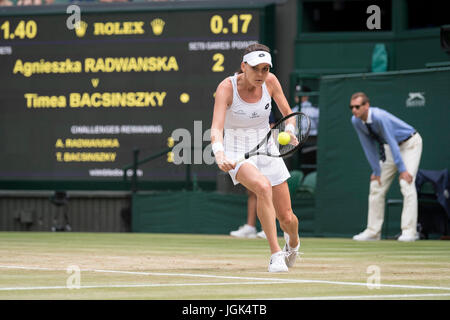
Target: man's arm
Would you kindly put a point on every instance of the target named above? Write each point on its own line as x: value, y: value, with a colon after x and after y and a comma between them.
x: 370, y: 149
x: 388, y: 134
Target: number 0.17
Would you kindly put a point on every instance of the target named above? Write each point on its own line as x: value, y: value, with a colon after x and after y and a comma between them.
x: 216, y: 23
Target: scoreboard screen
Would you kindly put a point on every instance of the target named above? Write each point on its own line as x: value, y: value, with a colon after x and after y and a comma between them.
x: 75, y: 102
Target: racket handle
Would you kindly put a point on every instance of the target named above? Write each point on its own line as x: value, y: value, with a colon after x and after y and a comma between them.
x: 246, y: 156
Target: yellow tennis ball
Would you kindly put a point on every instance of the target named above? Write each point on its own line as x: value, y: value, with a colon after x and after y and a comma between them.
x: 284, y: 138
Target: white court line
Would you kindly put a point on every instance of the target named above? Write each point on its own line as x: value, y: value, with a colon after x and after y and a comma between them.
x: 139, y: 285
x: 281, y: 280
x: 30, y: 268
x: 273, y: 279
x: 386, y: 296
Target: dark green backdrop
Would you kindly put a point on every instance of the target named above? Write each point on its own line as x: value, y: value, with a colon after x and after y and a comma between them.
x: 204, y: 212
x: 343, y: 171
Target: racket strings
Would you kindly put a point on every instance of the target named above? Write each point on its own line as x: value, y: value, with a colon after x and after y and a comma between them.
x: 301, y: 132
x: 298, y: 123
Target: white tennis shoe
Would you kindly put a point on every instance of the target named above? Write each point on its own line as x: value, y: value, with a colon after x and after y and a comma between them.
x: 366, y: 236
x: 245, y: 231
x: 408, y: 237
x: 290, y: 253
x: 261, y: 234
x: 278, y: 263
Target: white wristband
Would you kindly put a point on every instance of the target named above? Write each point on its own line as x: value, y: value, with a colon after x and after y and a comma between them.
x: 290, y: 127
x: 216, y: 147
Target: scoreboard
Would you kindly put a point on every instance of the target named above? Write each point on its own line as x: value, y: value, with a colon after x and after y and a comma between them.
x: 76, y: 102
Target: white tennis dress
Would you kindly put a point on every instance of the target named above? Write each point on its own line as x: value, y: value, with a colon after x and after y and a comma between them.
x: 246, y: 124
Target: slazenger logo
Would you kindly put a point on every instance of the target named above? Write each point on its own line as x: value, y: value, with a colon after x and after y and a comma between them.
x: 416, y: 99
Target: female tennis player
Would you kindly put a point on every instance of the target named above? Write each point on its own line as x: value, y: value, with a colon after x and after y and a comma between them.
x: 240, y: 120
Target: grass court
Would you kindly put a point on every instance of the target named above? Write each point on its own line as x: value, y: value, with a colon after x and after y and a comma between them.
x: 209, y: 267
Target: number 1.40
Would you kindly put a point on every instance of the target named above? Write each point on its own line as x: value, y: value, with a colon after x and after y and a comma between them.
x: 25, y: 29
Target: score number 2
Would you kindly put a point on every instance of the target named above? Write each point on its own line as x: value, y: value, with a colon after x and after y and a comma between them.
x: 218, y: 58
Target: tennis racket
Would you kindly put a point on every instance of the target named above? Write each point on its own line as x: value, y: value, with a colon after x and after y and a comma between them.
x: 297, y: 124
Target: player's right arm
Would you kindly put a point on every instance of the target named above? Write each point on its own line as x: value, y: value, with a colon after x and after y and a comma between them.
x: 223, y: 99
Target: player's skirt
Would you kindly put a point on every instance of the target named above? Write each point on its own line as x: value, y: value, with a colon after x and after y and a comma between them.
x: 273, y: 168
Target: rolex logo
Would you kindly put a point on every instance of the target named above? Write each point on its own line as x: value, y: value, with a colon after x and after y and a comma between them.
x: 80, y: 30
x: 157, y: 26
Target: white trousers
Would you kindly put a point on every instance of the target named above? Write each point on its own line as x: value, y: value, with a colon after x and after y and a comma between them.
x: 411, y: 152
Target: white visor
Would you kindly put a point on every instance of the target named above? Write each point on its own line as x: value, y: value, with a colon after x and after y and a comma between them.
x: 256, y: 57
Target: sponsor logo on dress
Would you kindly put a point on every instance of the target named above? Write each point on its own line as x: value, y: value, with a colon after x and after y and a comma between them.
x: 254, y: 115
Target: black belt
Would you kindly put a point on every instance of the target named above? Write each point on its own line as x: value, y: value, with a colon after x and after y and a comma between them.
x: 412, y: 134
